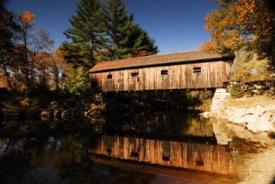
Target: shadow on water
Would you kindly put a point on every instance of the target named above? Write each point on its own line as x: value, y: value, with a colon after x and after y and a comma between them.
x: 46, y: 152
x: 170, y: 123
x: 167, y: 125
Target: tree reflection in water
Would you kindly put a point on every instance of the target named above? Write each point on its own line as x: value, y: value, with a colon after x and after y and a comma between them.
x: 57, y: 152
x: 40, y: 154
x: 162, y: 123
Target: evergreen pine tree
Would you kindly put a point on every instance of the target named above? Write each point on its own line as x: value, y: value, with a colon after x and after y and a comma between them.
x: 124, y: 37
x: 84, y: 38
x: 139, y: 42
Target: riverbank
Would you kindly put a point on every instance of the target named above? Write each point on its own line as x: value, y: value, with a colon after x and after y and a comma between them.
x: 51, y: 105
x: 257, y: 168
x: 247, y: 124
x: 249, y: 118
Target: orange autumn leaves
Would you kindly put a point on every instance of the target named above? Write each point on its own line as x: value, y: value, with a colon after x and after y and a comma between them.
x: 27, y: 17
x: 245, y: 8
x: 238, y: 23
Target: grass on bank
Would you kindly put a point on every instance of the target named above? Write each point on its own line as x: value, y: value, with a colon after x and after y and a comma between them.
x: 247, y: 102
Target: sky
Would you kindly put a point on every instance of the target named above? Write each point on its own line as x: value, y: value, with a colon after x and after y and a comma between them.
x: 175, y: 25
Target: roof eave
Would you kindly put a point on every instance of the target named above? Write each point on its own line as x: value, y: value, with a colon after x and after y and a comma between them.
x: 226, y: 58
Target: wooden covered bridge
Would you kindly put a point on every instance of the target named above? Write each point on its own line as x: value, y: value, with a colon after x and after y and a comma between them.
x: 186, y: 70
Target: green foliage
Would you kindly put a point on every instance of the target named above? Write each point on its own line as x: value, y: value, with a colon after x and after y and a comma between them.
x: 105, y: 32
x: 237, y: 91
x: 139, y: 42
x: 85, y: 35
x: 247, y: 67
x: 74, y: 148
x: 193, y: 97
x: 76, y: 81
x: 193, y: 94
x: 124, y: 37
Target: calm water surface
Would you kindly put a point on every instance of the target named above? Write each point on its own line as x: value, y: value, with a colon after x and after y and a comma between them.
x: 59, y: 152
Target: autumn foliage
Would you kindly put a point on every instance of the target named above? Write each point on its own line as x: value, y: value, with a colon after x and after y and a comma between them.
x: 242, y: 23
x: 27, y: 17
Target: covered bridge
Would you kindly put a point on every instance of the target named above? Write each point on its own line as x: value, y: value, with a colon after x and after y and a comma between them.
x: 186, y: 70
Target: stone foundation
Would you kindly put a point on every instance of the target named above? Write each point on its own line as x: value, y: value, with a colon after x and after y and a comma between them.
x: 253, y: 88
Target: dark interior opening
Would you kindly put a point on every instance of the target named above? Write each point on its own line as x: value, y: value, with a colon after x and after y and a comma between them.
x: 109, y: 76
x: 199, y: 163
x: 134, y: 153
x: 109, y: 150
x: 197, y: 70
x: 164, y: 72
x: 165, y: 158
x: 134, y: 74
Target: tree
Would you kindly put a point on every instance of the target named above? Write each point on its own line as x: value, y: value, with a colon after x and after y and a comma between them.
x: 60, y: 66
x: 8, y: 29
x: 33, y: 42
x: 43, y: 64
x: 84, y: 38
x: 140, y: 43
x: 105, y: 32
x: 26, y: 21
x: 76, y: 81
x: 124, y: 37
x: 242, y: 23
x: 22, y: 48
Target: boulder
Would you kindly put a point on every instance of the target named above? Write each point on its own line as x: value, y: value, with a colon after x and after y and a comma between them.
x: 258, y: 127
x: 256, y: 119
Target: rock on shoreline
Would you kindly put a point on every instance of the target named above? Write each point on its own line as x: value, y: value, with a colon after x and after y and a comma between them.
x: 256, y: 119
x: 256, y: 114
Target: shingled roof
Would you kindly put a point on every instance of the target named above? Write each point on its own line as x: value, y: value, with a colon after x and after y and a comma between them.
x: 165, y: 59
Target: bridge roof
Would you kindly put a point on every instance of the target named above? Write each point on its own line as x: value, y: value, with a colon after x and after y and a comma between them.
x: 154, y: 60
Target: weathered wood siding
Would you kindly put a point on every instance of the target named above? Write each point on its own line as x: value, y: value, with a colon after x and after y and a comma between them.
x: 180, y: 76
x: 203, y: 157
x: 3, y: 81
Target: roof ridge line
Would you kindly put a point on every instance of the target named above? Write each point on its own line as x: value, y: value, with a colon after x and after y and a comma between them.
x: 153, y: 55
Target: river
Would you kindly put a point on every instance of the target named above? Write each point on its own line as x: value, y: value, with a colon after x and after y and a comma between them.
x: 161, y: 147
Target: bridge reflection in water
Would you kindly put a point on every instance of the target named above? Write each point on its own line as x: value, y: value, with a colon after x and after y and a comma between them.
x: 182, y: 151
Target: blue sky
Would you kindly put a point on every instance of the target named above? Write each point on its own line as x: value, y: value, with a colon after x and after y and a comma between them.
x: 176, y: 25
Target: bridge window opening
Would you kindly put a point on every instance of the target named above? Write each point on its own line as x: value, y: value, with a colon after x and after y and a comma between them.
x: 199, y: 163
x: 164, y: 72
x: 109, y: 150
x: 134, y: 153
x: 197, y: 70
x: 134, y: 74
x: 165, y: 158
x: 109, y: 76
x: 166, y: 152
